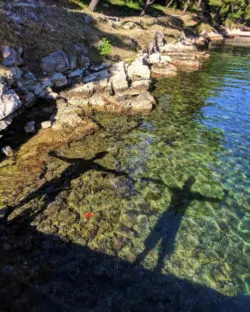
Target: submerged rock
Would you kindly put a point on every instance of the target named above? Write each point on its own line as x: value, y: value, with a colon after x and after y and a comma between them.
x: 30, y: 127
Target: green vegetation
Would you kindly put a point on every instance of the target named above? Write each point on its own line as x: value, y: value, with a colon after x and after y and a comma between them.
x: 105, y: 47
x: 215, y: 11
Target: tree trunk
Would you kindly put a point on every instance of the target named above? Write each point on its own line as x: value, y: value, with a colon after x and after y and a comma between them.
x: 186, y: 7
x: 199, y: 5
x: 93, y: 4
x: 170, y: 3
x: 147, y: 4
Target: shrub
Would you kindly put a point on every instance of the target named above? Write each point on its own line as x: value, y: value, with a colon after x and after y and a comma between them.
x: 105, y: 47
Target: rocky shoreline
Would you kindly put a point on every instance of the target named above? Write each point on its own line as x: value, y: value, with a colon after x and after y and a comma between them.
x: 79, y: 87
x: 76, y: 86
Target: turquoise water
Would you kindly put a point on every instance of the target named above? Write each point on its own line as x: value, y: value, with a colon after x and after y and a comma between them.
x: 189, y: 161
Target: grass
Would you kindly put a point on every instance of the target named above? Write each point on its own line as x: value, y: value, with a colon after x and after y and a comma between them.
x: 127, y: 4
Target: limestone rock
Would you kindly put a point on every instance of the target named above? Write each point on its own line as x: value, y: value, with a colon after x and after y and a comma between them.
x: 119, y: 82
x: 164, y: 59
x: 76, y: 73
x: 9, y: 101
x: 103, y: 74
x: 97, y: 102
x: 67, y: 116
x: 55, y: 62
x: 82, y: 91
x: 46, y: 124
x: 59, y: 80
x: 143, y: 103
x: 138, y: 86
x: 163, y: 70
x: 177, y: 47
x: 138, y: 71
x: 11, y: 57
x: 154, y: 58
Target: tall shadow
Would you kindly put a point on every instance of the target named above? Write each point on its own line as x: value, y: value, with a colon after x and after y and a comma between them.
x: 168, y: 224
x: 51, y: 189
x: 41, y: 272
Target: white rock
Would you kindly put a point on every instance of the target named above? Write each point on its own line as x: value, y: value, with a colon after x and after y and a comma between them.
x: 7, y: 151
x: 119, y: 82
x: 52, y: 96
x: 138, y: 71
x: 9, y: 101
x: 46, y: 124
x: 81, y: 91
x: 165, y: 59
x: 154, y: 58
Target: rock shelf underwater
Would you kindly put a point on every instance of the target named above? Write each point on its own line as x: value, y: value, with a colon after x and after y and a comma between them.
x: 151, y: 209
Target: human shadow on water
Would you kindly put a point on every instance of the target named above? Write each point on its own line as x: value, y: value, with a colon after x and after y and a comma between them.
x: 42, y: 272
x: 46, y: 273
x: 169, y: 222
x: 51, y: 189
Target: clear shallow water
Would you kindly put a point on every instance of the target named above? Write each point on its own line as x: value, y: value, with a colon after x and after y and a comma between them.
x: 171, y: 194
x: 189, y: 162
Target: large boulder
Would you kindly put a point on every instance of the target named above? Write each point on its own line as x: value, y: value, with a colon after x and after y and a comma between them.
x: 177, y: 47
x: 138, y: 71
x: 55, y: 62
x: 143, y: 103
x: 137, y: 87
x: 81, y: 91
x: 119, y: 82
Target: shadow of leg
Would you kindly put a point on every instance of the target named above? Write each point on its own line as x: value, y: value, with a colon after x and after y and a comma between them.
x: 150, y: 243
x: 166, y: 249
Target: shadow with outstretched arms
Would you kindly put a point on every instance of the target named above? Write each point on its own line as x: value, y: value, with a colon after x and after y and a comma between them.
x: 52, y: 188
x: 169, y: 222
x: 47, y: 273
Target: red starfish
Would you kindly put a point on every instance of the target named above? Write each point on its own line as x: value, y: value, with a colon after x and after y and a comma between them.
x: 88, y: 215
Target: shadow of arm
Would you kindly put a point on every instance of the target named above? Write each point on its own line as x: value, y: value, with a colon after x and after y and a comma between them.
x: 53, y: 154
